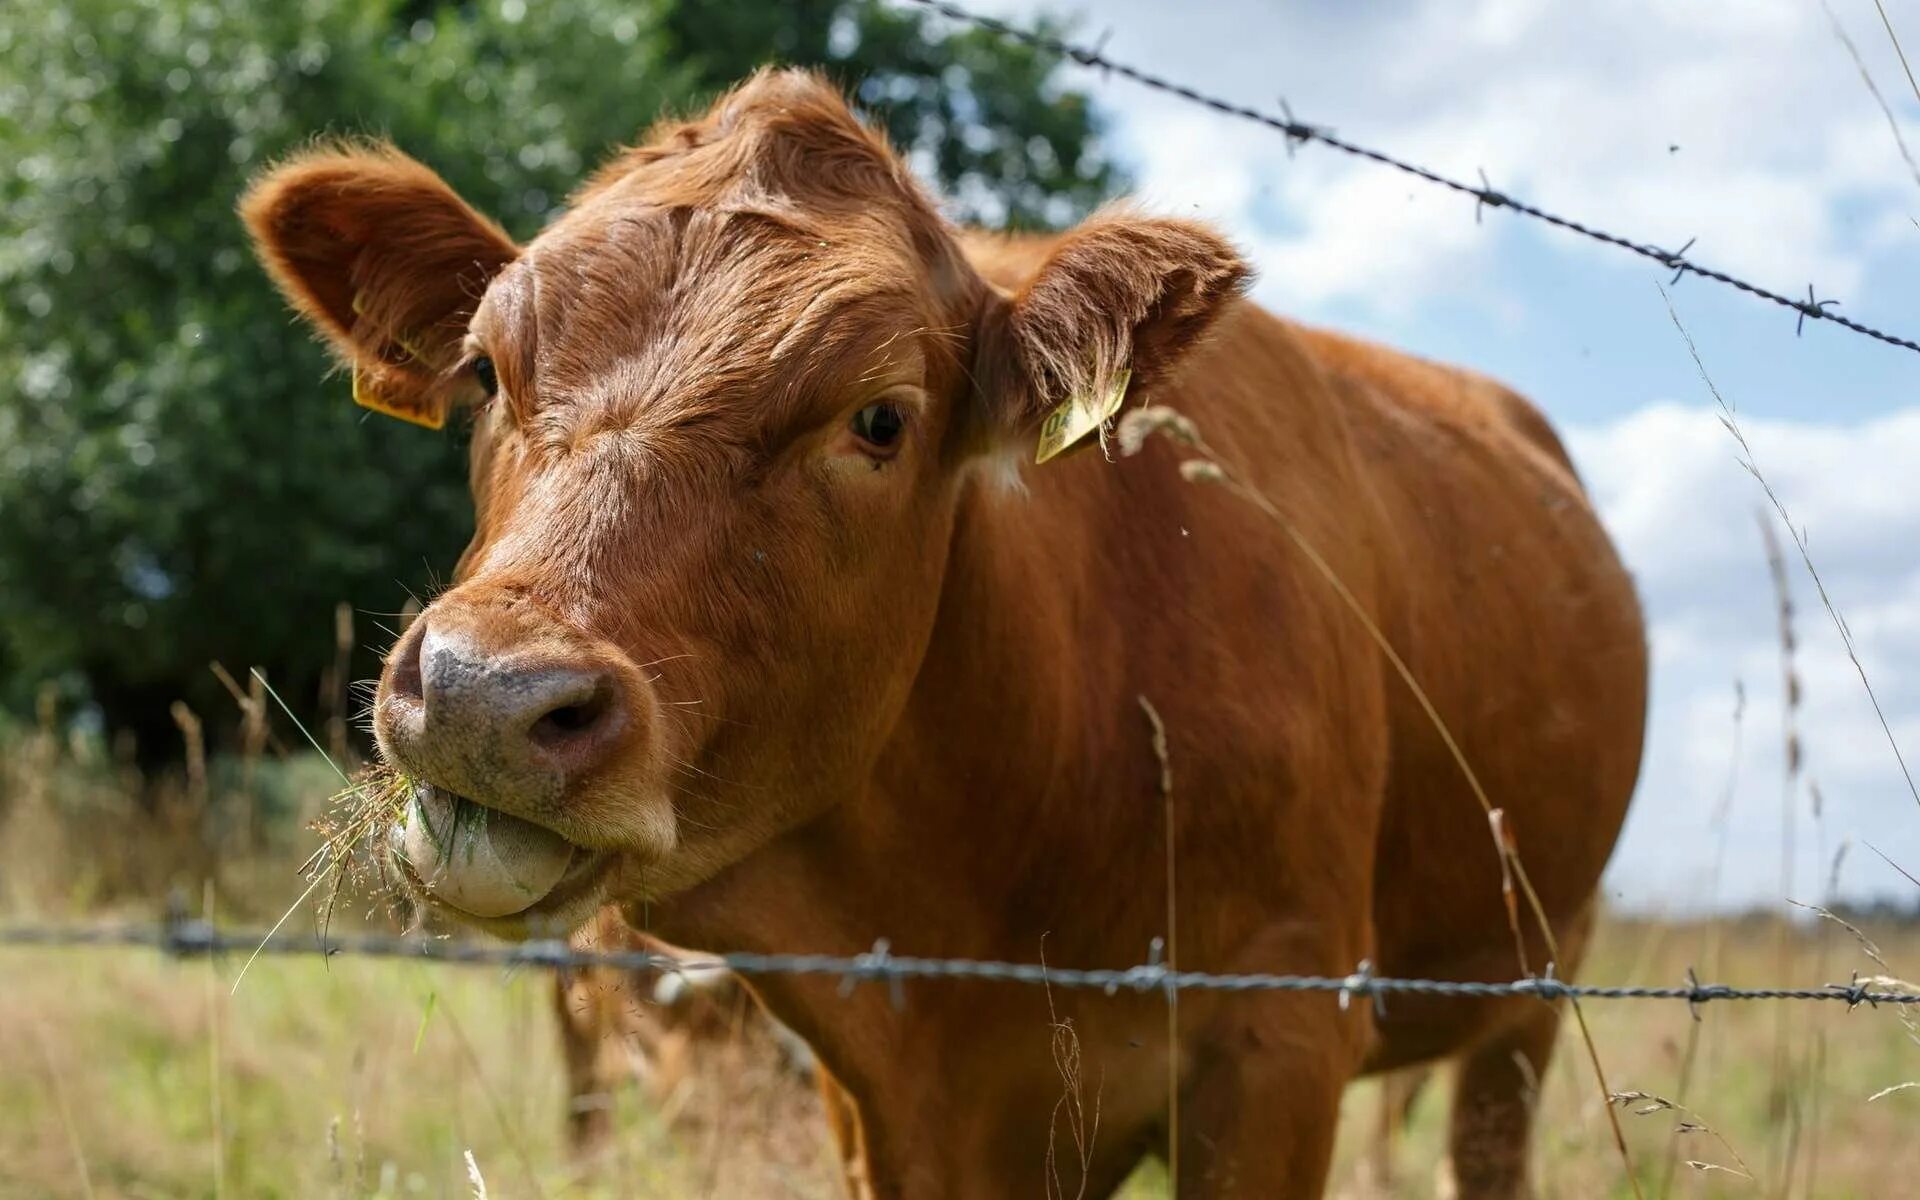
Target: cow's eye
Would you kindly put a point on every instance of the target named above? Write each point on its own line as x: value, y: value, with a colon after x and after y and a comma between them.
x: 484, y: 374
x: 879, y: 425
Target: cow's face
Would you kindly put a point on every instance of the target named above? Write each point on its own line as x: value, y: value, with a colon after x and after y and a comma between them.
x: 725, y: 411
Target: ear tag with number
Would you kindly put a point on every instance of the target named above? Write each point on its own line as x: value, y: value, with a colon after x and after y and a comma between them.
x: 1069, y: 425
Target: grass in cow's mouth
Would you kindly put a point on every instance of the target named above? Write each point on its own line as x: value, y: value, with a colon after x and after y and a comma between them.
x: 465, y: 812
x: 353, y: 829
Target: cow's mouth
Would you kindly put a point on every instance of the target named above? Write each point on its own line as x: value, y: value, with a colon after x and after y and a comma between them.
x: 492, y: 868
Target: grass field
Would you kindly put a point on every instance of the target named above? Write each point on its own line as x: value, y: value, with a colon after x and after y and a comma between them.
x: 360, y: 1078
x: 126, y: 1075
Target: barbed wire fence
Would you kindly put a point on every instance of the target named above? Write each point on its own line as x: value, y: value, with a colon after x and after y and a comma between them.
x: 181, y: 935
x: 1485, y: 195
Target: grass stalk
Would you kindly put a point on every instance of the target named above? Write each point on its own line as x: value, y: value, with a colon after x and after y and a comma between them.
x: 214, y: 1097
x: 65, y: 1109
x: 1162, y: 756
x: 1751, y: 465
x: 1895, y: 39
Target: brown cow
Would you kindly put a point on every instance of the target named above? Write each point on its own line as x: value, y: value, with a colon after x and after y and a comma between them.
x: 771, y: 631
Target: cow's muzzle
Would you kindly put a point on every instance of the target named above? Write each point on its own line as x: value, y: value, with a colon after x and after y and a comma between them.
x: 527, y: 743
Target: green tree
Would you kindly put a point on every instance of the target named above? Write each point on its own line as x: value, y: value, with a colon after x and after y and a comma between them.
x: 177, y: 483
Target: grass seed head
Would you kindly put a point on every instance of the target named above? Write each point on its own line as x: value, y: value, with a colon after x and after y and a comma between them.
x: 353, y: 850
x: 1142, y: 423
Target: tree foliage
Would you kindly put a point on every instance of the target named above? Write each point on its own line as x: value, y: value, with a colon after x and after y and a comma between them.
x: 178, y: 481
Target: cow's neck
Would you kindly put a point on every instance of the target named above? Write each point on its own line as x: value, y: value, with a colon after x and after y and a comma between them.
x: 990, y: 820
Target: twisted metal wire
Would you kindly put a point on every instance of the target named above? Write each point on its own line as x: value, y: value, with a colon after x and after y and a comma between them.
x: 1485, y: 195
x: 184, y: 937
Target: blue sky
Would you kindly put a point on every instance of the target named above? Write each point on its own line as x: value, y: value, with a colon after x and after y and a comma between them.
x: 1743, y: 124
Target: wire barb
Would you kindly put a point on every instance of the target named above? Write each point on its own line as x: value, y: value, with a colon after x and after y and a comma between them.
x: 1299, y: 133
x: 1677, y: 259
x: 1855, y: 992
x: 1547, y: 986
x: 1154, y: 974
x: 1486, y: 197
x: 1360, y: 981
x: 1696, y: 995
x: 1811, y: 307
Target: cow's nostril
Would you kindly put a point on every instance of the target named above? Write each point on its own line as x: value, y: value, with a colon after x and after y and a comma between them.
x: 570, y: 718
x: 403, y: 663
x: 566, y: 726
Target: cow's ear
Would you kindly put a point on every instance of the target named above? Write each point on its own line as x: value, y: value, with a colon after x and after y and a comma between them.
x: 1115, y: 305
x: 386, y: 262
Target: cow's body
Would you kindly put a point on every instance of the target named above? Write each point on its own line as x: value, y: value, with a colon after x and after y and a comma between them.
x: 1319, y: 818
x: 771, y: 632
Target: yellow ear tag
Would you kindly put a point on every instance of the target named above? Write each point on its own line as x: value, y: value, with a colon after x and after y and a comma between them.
x: 422, y: 411
x: 1073, y: 422
x: 425, y: 411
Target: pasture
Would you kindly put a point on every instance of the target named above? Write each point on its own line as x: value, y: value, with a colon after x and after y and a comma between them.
x: 131, y: 1075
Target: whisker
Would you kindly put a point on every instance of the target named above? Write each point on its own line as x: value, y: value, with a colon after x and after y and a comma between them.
x: 684, y: 819
x: 685, y: 765
x: 669, y: 658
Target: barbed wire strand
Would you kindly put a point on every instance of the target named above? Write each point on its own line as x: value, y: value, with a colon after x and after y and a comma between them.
x: 182, y: 936
x: 1485, y: 196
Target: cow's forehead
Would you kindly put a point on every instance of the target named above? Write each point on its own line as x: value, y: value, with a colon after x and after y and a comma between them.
x: 630, y: 313
x: 743, y: 271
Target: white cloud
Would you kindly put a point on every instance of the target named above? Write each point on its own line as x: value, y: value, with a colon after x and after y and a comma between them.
x: 1684, y: 514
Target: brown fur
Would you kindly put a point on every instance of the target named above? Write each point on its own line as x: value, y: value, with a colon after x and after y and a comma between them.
x: 890, y: 697
x: 615, y: 1029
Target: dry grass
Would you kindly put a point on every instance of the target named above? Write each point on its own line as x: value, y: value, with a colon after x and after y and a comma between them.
x: 360, y: 1078
x: 351, y: 1079
x: 1730, y: 1122
x: 357, y: 1078
x: 353, y: 854
x: 81, y: 829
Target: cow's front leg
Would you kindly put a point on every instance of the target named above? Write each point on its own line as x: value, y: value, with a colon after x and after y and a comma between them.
x: 980, y: 1143
x: 904, y: 1120
x: 1262, y: 1098
x: 981, y: 1100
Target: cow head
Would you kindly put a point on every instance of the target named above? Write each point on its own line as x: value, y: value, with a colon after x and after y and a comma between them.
x: 724, y: 410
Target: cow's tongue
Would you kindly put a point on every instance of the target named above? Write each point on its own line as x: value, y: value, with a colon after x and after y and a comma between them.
x: 477, y: 859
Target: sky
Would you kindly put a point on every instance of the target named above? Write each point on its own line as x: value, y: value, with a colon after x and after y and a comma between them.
x: 1744, y: 124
